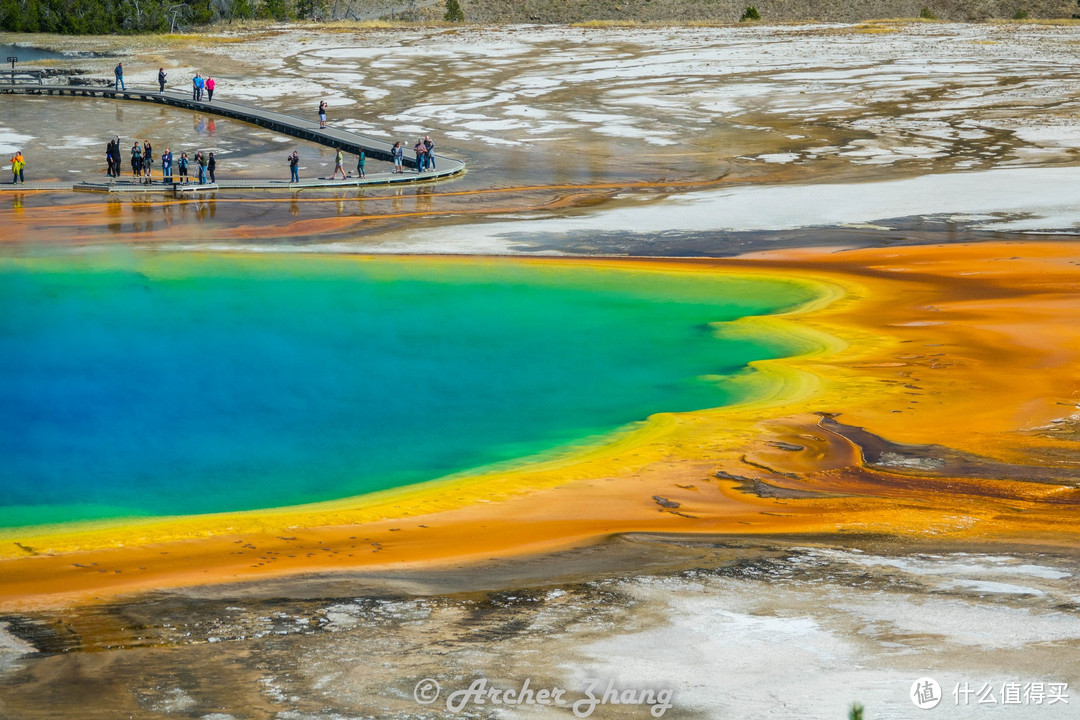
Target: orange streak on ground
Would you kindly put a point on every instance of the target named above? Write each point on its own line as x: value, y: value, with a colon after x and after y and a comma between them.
x: 113, y: 205
x: 966, y: 346
x: 987, y: 331
x: 342, y: 223
x: 153, y: 222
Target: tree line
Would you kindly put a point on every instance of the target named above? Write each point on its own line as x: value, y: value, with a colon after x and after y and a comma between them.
x: 100, y: 17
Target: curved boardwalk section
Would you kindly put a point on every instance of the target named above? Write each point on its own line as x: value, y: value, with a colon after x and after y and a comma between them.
x: 349, y: 142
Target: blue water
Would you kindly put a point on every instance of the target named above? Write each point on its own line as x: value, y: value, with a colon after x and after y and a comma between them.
x: 153, y: 385
x: 29, y: 53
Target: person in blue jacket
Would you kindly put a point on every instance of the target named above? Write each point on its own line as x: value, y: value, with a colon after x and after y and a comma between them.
x: 166, y: 166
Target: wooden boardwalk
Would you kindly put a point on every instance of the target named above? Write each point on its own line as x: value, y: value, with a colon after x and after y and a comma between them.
x: 127, y: 186
x: 349, y: 142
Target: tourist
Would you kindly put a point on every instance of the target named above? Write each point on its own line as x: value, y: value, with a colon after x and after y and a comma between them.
x: 181, y: 167
x: 209, y: 89
x: 18, y: 164
x: 148, y: 162
x: 161, y: 79
x: 420, y: 151
x: 119, y: 73
x: 166, y: 166
x: 430, y: 154
x: 339, y: 164
x: 201, y: 160
x: 136, y: 160
x: 360, y: 164
x: 118, y: 160
x: 110, y: 161
x: 211, y: 164
x: 294, y: 166
x: 322, y: 114
x: 196, y: 87
x: 114, y: 148
x: 398, y: 152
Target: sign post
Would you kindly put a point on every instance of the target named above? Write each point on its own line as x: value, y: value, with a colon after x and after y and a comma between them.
x: 12, y: 59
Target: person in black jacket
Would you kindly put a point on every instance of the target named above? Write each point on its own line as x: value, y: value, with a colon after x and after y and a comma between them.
x: 117, y: 156
x: 161, y: 79
x: 211, y: 163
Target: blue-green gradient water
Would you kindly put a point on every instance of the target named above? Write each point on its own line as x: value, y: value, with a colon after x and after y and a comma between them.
x: 164, y: 384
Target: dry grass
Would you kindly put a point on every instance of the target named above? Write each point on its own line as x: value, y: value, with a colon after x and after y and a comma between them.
x: 348, y: 26
x: 605, y: 23
x: 205, y: 39
x: 1036, y: 21
x: 888, y: 25
x: 872, y: 29
x: 678, y: 23
x: 898, y: 21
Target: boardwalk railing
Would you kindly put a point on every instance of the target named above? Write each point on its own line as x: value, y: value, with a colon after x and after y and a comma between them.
x: 349, y: 142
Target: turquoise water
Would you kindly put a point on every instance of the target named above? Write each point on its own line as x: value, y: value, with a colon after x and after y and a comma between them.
x: 29, y: 53
x: 146, y: 385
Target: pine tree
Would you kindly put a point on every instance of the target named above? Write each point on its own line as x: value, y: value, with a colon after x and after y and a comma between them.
x: 454, y: 12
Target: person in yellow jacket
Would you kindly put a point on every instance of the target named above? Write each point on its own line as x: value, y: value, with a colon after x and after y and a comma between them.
x: 17, y: 164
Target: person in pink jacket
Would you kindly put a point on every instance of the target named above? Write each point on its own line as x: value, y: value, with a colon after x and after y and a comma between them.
x: 210, y: 89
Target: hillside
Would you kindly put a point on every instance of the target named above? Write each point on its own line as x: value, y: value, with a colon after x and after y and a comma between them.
x: 576, y: 11
x: 132, y: 16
